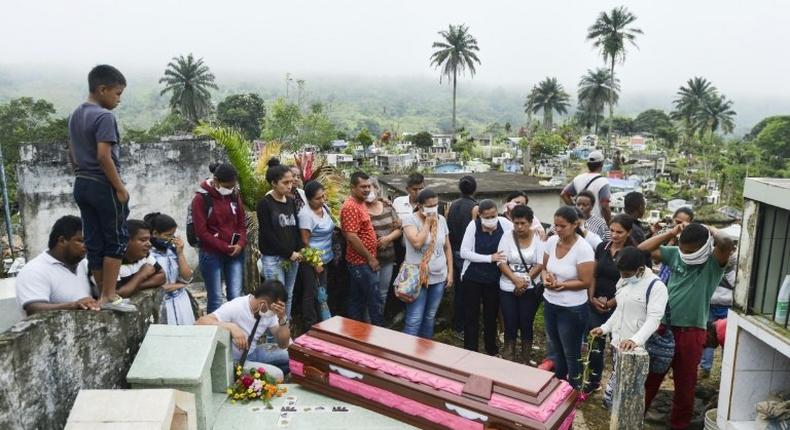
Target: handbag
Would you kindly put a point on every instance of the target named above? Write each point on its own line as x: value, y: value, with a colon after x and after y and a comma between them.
x: 412, y: 277
x: 660, y: 347
x: 523, y: 261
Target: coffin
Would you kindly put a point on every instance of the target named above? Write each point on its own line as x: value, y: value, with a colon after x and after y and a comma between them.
x: 427, y: 384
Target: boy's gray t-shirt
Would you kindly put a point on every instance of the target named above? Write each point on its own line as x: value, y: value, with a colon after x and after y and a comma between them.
x: 90, y: 124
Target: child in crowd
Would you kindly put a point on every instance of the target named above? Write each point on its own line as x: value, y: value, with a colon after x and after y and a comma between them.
x: 139, y: 270
x: 94, y: 144
x: 168, y: 251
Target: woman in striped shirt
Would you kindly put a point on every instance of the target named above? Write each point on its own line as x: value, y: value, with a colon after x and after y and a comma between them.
x: 388, y: 229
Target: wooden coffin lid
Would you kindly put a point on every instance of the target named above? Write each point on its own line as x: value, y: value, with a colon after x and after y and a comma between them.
x: 472, y: 367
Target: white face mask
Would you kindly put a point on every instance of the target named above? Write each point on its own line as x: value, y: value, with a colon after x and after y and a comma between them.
x: 267, y: 313
x: 225, y: 191
x: 430, y: 211
x: 632, y: 280
x: 489, y: 222
x: 371, y: 197
x: 699, y: 256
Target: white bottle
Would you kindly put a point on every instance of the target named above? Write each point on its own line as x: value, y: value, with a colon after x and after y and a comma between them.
x: 782, y: 301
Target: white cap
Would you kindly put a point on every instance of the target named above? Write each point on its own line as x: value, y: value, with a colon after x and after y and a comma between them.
x: 595, y: 157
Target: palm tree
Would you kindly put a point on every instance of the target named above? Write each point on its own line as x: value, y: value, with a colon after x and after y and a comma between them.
x: 689, y: 101
x: 713, y: 114
x: 610, y: 32
x: 456, y: 52
x: 548, y: 96
x: 188, y: 81
x: 596, y: 88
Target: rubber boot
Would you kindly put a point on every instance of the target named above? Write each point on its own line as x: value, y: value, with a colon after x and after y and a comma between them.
x: 526, y: 352
x: 510, y: 350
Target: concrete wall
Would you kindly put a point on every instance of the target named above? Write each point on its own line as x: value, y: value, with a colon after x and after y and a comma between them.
x: 46, y: 359
x: 160, y: 177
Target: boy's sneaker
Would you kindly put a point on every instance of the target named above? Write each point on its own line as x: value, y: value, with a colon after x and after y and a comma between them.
x: 547, y: 364
x: 119, y: 304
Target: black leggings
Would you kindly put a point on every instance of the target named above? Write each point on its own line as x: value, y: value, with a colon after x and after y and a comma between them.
x: 474, y: 293
x: 519, y: 313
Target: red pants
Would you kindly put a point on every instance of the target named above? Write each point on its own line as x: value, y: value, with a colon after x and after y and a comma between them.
x: 689, y: 343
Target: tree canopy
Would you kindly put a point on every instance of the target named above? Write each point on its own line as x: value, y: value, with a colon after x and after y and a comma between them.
x: 244, y: 112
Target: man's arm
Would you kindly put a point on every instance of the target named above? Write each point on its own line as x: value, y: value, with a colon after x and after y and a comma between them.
x: 722, y: 248
x: 653, y: 244
x: 104, y: 158
x: 236, y: 333
x: 144, y: 278
x: 606, y: 211
x: 356, y: 244
x: 85, y: 303
x: 567, y: 194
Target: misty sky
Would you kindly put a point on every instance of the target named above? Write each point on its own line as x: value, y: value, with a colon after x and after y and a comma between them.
x: 739, y: 45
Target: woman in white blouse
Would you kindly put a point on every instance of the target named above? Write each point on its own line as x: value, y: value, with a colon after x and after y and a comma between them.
x: 569, y: 263
x: 518, y: 295
x: 641, y: 302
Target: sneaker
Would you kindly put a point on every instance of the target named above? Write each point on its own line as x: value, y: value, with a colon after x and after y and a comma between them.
x: 547, y: 364
x: 119, y: 304
x: 459, y: 335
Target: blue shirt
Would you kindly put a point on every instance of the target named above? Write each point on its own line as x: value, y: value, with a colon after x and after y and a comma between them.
x: 168, y: 259
x: 321, y: 229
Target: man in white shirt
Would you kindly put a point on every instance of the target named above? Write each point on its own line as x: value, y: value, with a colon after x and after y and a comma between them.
x: 404, y: 205
x: 58, y: 278
x: 593, y: 181
x: 239, y: 316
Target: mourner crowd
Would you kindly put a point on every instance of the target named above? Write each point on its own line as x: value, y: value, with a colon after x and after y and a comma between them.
x: 600, y: 276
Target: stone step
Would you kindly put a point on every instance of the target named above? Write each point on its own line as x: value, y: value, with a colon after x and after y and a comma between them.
x: 159, y: 409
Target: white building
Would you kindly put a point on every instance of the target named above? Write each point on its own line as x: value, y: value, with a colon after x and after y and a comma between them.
x: 395, y: 162
x: 340, y: 160
x: 756, y: 358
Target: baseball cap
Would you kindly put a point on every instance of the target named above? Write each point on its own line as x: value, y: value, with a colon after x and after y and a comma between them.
x: 595, y: 157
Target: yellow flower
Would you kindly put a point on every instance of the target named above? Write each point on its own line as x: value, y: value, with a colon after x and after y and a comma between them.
x: 230, y: 391
x: 257, y: 375
x: 233, y: 402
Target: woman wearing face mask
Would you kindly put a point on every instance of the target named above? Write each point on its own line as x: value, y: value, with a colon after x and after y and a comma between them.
x: 316, y: 227
x: 480, y: 274
x: 569, y: 263
x: 279, y: 239
x: 168, y: 250
x: 261, y: 312
x: 697, y: 266
x: 518, y: 296
x: 428, y: 246
x: 387, y: 227
x: 221, y: 230
x: 602, y: 291
x: 641, y: 301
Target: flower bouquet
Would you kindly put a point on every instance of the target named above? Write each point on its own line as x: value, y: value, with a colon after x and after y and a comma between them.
x: 254, y: 384
x: 312, y: 256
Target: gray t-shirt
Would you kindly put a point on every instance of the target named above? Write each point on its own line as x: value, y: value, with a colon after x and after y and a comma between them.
x: 90, y: 124
x: 437, y: 266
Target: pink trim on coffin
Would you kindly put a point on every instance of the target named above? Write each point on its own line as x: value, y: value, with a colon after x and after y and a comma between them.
x: 296, y: 367
x: 403, y: 404
x: 541, y: 413
x: 568, y: 422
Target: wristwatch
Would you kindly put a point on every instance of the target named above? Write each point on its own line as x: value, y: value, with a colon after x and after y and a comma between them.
x: 283, y: 322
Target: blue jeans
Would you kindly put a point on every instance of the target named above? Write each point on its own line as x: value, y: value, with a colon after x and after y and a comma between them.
x: 364, y: 294
x: 273, y: 269
x: 598, y: 347
x: 565, y: 326
x: 519, y: 313
x: 421, y: 313
x: 270, y: 354
x: 716, y: 313
x: 215, y: 267
x: 385, y: 280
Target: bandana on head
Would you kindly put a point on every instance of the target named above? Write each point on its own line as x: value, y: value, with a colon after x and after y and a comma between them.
x: 701, y: 255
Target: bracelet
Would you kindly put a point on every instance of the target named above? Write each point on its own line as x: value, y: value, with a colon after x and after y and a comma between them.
x: 283, y: 322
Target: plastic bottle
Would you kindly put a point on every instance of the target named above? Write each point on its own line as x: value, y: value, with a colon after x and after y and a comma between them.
x: 780, y: 315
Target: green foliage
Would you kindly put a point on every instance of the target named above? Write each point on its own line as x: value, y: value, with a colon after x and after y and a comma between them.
x: 422, y: 139
x: 243, y: 112
x: 170, y: 125
x: 282, y: 121
x: 365, y: 139
x: 651, y: 121
x: 611, y: 31
x: 464, y: 146
x: 240, y: 155
x: 547, y: 144
x: 774, y: 139
x: 315, y: 128
x: 456, y: 52
x: 27, y: 120
x: 189, y: 80
x: 547, y: 96
x: 702, y: 109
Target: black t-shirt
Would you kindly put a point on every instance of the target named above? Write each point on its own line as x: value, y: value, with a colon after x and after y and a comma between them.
x: 278, y: 227
x: 606, y: 273
x: 458, y: 219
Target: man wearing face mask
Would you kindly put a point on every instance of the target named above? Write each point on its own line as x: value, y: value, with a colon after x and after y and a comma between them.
x: 697, y: 265
x: 261, y: 311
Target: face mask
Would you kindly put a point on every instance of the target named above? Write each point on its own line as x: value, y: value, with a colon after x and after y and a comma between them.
x: 631, y: 280
x: 430, y: 211
x: 699, y: 256
x: 267, y: 313
x: 371, y: 197
x: 489, y: 222
x: 225, y: 191
x: 161, y: 244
